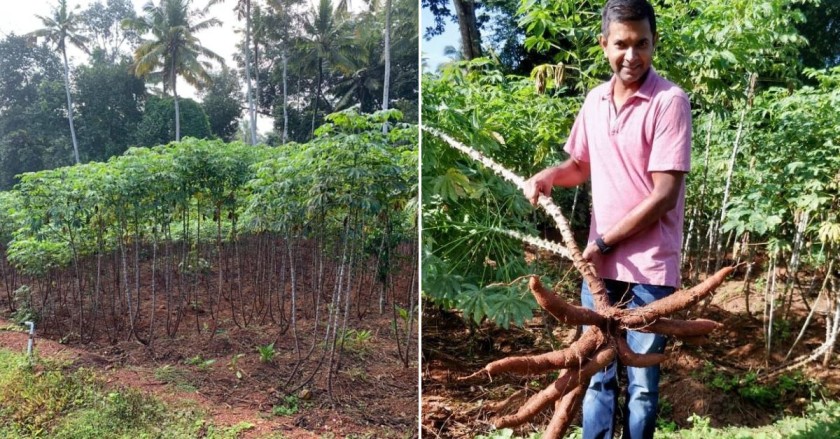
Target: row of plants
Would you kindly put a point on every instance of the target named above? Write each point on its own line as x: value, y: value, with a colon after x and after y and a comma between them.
x: 215, y: 233
x: 765, y: 180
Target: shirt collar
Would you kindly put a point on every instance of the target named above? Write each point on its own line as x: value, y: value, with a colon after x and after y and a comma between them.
x: 645, y: 91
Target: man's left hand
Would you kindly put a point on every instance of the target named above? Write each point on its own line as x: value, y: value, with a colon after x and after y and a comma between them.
x: 591, y: 253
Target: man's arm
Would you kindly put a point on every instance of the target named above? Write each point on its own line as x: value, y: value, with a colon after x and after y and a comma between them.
x: 567, y: 174
x: 666, y: 192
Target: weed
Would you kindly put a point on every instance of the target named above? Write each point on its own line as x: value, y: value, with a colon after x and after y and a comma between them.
x: 266, y: 353
x: 505, y: 433
x: 198, y: 361
x: 194, y: 264
x: 767, y: 395
x: 234, y: 365
x: 132, y: 408
x: 289, y: 407
x: 177, y: 377
x: 356, y: 373
x: 782, y: 330
x: 231, y: 432
x: 24, y: 311
x: 356, y: 341
x: 47, y: 401
x: 663, y: 418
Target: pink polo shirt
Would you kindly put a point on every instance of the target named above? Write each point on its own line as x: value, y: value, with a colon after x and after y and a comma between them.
x: 651, y: 132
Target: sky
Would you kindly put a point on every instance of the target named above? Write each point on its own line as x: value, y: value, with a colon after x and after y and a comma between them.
x: 432, y: 50
x: 20, y: 18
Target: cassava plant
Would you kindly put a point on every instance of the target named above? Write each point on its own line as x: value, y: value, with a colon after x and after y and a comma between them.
x: 605, y: 338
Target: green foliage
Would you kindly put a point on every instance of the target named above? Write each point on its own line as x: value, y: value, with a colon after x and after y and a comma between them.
x: 221, y: 101
x: 33, y: 133
x: 768, y: 395
x: 351, y: 183
x: 267, y: 353
x: 234, y: 365
x: 822, y: 420
x: 49, y: 400
x: 110, y: 102
x: 793, y: 148
x: 158, y: 124
x: 464, y: 204
x: 200, y: 362
x: 24, y: 309
x: 356, y: 341
x: 175, y: 376
x: 288, y: 407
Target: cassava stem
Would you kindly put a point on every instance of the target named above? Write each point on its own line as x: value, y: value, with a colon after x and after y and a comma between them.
x: 596, y: 286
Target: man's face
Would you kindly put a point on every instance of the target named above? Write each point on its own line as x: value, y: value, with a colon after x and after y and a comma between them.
x: 629, y: 49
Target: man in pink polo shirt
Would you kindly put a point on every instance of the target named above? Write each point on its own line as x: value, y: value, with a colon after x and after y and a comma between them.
x: 633, y: 139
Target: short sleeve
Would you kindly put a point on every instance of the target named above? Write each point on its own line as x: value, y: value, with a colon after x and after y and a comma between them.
x: 671, y: 146
x: 576, y: 144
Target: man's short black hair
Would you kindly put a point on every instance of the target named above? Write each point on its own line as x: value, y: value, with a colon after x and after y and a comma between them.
x: 627, y: 10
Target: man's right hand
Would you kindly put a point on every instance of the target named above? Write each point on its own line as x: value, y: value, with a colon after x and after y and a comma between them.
x: 540, y: 184
x: 567, y: 174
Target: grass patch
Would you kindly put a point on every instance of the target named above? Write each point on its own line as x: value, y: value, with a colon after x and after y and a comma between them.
x: 289, y: 406
x: 821, y: 421
x: 179, y: 378
x: 45, y: 400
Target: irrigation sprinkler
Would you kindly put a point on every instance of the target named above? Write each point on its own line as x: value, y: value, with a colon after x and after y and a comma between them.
x: 31, y: 342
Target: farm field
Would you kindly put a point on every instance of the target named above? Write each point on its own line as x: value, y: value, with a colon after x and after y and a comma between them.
x: 756, y: 318
x: 374, y: 397
x: 276, y: 286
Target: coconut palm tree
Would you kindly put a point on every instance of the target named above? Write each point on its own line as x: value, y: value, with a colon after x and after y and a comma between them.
x: 174, y: 49
x: 360, y: 72
x: 243, y: 10
x: 59, y: 29
x: 387, y: 55
x: 325, y: 35
x: 283, y: 32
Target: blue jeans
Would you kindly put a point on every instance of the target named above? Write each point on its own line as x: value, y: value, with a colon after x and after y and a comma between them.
x: 601, y: 400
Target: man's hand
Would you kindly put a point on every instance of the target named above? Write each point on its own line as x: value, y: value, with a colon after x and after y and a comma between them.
x: 567, y: 174
x: 591, y: 253
x: 540, y: 184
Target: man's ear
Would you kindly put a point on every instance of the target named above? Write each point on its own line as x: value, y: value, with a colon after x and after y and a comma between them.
x: 602, y: 41
x: 655, y: 40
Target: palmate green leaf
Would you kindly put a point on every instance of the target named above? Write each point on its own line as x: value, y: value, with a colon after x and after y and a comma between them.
x: 452, y: 185
x: 510, y: 304
x: 473, y: 302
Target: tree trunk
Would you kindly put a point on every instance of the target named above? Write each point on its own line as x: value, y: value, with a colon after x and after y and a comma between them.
x: 387, y: 84
x: 177, y: 110
x: 467, y: 24
x: 285, y: 99
x: 251, y: 109
x: 317, y: 95
x: 70, y: 106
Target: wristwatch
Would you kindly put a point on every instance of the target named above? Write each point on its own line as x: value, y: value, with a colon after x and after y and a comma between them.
x: 602, y: 246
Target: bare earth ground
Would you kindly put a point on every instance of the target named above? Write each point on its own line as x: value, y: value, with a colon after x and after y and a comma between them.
x: 457, y: 409
x: 373, y: 393
x: 376, y: 396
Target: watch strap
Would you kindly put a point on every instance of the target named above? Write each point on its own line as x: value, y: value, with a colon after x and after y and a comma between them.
x: 602, y: 246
